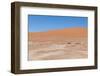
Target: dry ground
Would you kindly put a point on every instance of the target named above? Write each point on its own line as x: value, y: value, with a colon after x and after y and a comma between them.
x: 58, y: 49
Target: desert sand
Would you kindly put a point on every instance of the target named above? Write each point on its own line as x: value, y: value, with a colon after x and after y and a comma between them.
x: 69, y: 43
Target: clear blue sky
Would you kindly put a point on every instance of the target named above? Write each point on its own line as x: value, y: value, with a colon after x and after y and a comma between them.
x: 40, y: 23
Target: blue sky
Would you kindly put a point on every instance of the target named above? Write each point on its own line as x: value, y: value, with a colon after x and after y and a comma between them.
x: 41, y: 23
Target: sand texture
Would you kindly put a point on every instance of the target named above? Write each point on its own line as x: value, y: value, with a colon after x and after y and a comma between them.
x: 70, y: 43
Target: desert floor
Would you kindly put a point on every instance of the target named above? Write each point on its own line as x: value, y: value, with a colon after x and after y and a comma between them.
x: 58, y: 48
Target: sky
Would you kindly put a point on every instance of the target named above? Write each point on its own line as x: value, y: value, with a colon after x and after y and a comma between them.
x: 42, y: 23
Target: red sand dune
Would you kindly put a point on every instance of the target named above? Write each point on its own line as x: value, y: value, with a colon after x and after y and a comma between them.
x: 67, y: 33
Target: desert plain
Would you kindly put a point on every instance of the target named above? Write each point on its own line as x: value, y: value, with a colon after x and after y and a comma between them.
x: 68, y: 43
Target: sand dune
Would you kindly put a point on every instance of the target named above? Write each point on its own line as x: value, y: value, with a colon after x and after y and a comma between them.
x: 70, y: 43
x: 66, y: 33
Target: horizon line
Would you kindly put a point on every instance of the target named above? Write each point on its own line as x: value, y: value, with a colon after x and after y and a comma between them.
x: 58, y: 29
